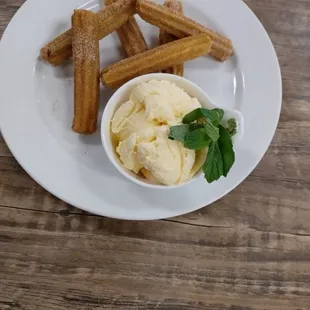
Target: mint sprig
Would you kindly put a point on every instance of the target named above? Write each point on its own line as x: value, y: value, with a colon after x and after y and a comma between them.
x: 213, y: 166
x: 178, y: 132
x: 226, y: 147
x: 203, y: 128
x: 211, y: 130
x: 215, y: 116
x: 232, y: 126
x: 197, y: 139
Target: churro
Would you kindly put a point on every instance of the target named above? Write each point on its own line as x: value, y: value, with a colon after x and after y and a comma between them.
x: 130, y: 35
x: 159, y: 58
x: 165, y: 37
x: 110, y: 19
x: 85, y: 47
x: 181, y: 26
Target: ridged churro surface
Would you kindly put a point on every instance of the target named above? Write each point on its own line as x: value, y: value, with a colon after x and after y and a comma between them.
x: 130, y: 35
x: 165, y: 37
x: 110, y: 19
x: 85, y: 45
x: 181, y: 26
x: 159, y: 58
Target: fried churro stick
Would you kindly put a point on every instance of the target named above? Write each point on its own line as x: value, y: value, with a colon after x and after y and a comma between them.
x: 85, y: 47
x: 165, y: 37
x: 182, y: 26
x: 110, y: 18
x: 159, y: 58
x: 130, y: 35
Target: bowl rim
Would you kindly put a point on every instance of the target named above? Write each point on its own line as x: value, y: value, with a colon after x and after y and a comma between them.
x: 112, y: 103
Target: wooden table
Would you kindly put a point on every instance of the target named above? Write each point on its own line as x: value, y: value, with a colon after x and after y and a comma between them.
x: 249, y: 251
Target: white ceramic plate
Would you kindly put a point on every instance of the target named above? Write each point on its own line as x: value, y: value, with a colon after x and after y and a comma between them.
x: 36, y: 105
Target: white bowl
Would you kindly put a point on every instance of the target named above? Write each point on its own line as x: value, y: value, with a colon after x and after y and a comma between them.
x: 122, y: 95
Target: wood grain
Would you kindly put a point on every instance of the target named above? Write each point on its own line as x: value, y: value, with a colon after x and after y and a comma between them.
x: 249, y: 251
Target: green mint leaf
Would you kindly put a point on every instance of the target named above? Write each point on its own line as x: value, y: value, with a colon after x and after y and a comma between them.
x: 232, y: 126
x: 212, y: 131
x: 197, y: 139
x: 213, y: 166
x: 215, y: 115
x: 192, y: 116
x: 227, y: 151
x: 178, y: 132
x: 194, y: 126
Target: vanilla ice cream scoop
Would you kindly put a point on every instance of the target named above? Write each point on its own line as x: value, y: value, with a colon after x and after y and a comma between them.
x: 140, y: 128
x: 130, y: 118
x: 167, y: 160
x: 164, y: 102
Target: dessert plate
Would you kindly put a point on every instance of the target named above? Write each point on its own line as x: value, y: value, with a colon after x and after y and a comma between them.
x: 36, y: 107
